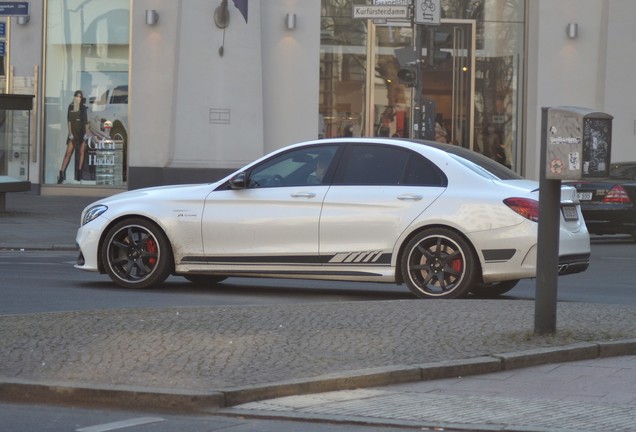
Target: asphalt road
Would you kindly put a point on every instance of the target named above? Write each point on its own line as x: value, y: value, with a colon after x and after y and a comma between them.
x: 35, y: 282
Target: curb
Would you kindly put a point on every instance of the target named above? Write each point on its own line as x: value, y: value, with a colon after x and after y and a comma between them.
x: 65, y: 247
x: 185, y: 400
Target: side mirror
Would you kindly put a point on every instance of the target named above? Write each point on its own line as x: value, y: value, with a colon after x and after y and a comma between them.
x: 239, y: 181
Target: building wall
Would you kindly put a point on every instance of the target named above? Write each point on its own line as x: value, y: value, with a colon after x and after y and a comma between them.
x: 590, y: 71
x: 197, y: 114
x: 620, y: 78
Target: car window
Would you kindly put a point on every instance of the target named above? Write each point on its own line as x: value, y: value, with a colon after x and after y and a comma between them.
x: 484, y: 166
x: 387, y: 165
x: 300, y: 167
x: 623, y: 172
x: 120, y: 95
x: 476, y: 162
x: 422, y: 172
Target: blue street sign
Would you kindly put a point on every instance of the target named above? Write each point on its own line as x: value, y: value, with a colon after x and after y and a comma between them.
x: 14, y: 8
x: 2, y: 45
x: 3, y: 29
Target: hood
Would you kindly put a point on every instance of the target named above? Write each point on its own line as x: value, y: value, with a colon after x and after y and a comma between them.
x: 165, y: 192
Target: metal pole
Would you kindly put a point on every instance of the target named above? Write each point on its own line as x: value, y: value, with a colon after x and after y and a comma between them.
x: 547, y: 243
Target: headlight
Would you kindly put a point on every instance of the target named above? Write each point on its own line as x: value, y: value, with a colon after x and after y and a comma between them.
x: 93, y: 213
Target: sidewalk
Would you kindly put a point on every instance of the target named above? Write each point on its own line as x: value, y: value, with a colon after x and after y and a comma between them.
x: 469, y: 364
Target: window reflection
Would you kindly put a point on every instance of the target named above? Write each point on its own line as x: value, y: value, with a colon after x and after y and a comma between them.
x: 87, y: 50
x: 346, y: 89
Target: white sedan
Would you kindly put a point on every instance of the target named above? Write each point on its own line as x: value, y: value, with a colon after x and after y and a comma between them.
x: 442, y: 219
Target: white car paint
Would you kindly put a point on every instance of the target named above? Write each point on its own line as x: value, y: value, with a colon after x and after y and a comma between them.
x: 336, y: 231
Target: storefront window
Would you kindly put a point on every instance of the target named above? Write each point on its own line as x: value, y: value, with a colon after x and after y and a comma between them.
x: 478, y: 109
x: 86, y: 92
x: 343, y: 59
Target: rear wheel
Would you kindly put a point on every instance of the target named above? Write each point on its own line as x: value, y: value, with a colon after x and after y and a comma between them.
x: 439, y: 263
x: 493, y: 289
x: 136, y: 254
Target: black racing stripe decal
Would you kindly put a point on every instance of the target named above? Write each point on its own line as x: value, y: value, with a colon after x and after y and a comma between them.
x: 498, y: 255
x: 292, y: 273
x: 345, y: 258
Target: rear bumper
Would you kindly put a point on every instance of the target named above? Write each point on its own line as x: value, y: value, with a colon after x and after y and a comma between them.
x: 610, y: 221
x: 571, y: 264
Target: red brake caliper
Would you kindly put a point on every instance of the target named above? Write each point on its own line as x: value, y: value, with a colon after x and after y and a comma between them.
x: 151, y: 247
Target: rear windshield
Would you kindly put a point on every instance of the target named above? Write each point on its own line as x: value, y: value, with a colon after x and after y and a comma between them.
x: 477, y: 162
x: 624, y: 171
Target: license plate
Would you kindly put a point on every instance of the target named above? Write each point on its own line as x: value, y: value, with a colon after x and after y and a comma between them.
x: 570, y: 213
x: 584, y: 196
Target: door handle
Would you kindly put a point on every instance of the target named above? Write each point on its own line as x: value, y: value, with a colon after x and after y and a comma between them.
x: 410, y: 197
x: 303, y: 195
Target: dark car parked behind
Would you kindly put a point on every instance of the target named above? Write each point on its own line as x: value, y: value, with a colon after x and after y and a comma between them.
x: 608, y: 204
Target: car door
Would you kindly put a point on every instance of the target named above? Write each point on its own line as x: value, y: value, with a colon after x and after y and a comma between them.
x: 273, y: 219
x: 377, y: 192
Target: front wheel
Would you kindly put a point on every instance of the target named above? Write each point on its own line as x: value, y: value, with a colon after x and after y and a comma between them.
x: 439, y: 263
x: 136, y: 254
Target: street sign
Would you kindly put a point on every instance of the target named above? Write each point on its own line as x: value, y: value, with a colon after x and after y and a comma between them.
x: 14, y: 8
x: 2, y: 48
x: 427, y: 12
x: 3, y: 29
x: 380, y: 11
x: 393, y: 2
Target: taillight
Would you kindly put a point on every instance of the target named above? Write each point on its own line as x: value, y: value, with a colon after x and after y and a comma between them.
x: 528, y: 208
x: 617, y: 195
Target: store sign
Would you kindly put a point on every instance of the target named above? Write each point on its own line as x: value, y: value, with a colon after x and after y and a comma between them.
x: 14, y: 8
x: 381, y: 12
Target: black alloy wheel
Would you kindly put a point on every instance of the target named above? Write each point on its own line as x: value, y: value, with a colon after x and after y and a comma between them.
x: 136, y: 254
x: 439, y: 263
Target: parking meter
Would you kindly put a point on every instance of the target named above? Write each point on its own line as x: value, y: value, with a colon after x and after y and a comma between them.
x: 578, y: 143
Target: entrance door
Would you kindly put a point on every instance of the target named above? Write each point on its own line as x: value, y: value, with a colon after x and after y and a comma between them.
x: 448, y: 85
x: 449, y: 81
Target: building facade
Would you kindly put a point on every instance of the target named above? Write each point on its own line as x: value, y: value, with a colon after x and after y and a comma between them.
x: 182, y: 91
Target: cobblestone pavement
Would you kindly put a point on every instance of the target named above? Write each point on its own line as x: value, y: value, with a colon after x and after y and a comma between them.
x: 215, y: 357
x: 591, y: 395
x: 225, y: 347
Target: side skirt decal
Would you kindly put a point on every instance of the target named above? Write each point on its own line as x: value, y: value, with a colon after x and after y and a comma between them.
x: 345, y: 258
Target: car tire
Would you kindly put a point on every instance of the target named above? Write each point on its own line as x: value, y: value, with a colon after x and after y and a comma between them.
x: 137, y: 254
x: 439, y: 263
x: 201, y: 279
x: 494, y: 289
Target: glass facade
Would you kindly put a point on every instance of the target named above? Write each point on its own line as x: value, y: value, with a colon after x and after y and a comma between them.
x: 472, y: 92
x: 86, y: 92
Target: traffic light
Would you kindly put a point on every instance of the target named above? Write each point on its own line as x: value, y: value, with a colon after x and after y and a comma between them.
x: 435, y: 42
x: 408, y: 75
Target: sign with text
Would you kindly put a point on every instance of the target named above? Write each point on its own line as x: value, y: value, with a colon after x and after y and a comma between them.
x: 379, y: 11
x: 427, y: 12
x: 393, y: 2
x: 14, y: 8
